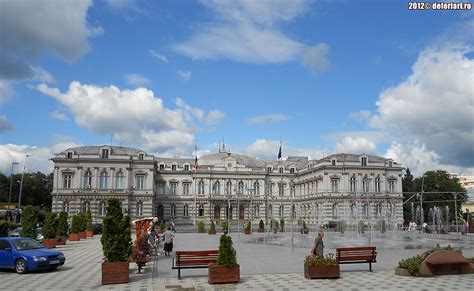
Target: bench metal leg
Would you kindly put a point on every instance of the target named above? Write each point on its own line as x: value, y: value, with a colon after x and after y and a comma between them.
x: 370, y: 266
x: 179, y: 273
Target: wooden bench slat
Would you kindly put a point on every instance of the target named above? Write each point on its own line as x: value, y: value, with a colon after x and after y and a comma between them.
x: 354, y: 255
x: 194, y: 259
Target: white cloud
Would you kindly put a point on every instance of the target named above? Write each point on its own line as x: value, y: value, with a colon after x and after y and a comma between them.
x: 214, y: 116
x: 32, y: 28
x: 246, y: 31
x: 136, y: 80
x: 135, y: 117
x: 4, y: 124
x: 359, y: 145
x: 5, y: 91
x: 58, y: 115
x: 434, y: 106
x: 158, y: 56
x: 268, y: 150
x: 361, y: 116
x: 40, y: 75
x: 267, y: 118
x: 315, y: 58
x: 185, y: 75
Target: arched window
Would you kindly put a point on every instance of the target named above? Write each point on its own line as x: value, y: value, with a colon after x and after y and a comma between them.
x: 139, y: 208
x: 353, y: 210
x: 270, y: 210
x: 173, y: 210
x: 217, y: 188
x: 365, y: 185
x: 293, y: 211
x: 240, y: 188
x: 201, y: 187
x: 334, y: 185
x: 186, y: 210
x: 256, y: 211
x: 88, y: 179
x: 241, y: 211
x: 365, y: 210
x: 281, y: 210
x: 85, y: 206
x: 378, y: 210
x: 102, y: 208
x: 256, y: 188
x: 217, y: 212
x: 353, y: 184
x: 228, y: 189
x: 119, y: 180
x: 103, y: 180
x: 66, y: 206
x: 201, y: 210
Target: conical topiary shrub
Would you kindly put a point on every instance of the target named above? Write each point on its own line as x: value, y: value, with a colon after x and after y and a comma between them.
x: 61, y: 228
x: 89, y: 232
x: 49, y: 230
x: 226, y: 270
x: 29, y: 219
x: 116, y: 244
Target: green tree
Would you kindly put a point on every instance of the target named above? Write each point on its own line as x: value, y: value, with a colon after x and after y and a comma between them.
x: 49, y: 229
x: 62, y: 226
x: 227, y: 253
x: 37, y: 188
x: 76, y: 224
x: 89, y: 220
x: 29, y: 219
x: 408, y: 187
x: 116, y: 235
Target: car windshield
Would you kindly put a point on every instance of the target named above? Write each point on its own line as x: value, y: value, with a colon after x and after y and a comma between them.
x: 26, y: 244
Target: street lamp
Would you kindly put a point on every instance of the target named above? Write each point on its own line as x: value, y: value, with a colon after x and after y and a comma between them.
x: 421, y: 200
x: 21, y: 182
x: 11, y: 183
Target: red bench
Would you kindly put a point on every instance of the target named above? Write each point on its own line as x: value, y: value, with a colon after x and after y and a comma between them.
x: 194, y: 260
x: 356, y: 255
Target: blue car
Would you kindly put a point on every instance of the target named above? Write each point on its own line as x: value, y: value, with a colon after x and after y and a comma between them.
x: 25, y: 254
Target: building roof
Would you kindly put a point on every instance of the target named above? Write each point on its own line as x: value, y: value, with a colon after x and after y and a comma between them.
x: 95, y: 150
x: 343, y: 157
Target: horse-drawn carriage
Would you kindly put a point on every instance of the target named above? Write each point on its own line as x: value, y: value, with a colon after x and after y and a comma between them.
x: 145, y: 228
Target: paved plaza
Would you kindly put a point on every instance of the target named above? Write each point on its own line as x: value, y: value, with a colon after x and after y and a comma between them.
x: 267, y: 263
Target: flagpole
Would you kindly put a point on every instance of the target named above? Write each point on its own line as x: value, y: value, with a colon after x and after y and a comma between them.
x: 195, y: 184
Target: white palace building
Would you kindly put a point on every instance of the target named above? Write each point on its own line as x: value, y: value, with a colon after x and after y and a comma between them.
x: 348, y: 187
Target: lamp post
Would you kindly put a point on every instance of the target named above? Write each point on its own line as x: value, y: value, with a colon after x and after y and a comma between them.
x: 11, y: 183
x: 421, y: 200
x: 21, y: 182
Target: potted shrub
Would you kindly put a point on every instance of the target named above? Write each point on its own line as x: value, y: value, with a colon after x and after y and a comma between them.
x: 225, y: 226
x: 361, y: 226
x: 82, y: 225
x: 304, y: 229
x: 89, y: 232
x: 61, y: 228
x: 261, y: 226
x: 162, y: 228
x: 49, y: 230
x: 282, y: 225
x: 226, y: 269
x: 409, y: 266
x: 201, y: 226
x: 29, y: 219
x: 248, y: 227
x: 341, y: 226
x: 75, y: 228
x: 319, y: 268
x: 212, y: 229
x: 275, y: 226
x: 116, y: 244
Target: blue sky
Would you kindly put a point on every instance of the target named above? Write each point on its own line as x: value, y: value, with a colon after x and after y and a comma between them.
x: 322, y: 76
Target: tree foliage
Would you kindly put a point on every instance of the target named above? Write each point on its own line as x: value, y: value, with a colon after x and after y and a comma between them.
x: 49, y: 228
x: 37, y: 188
x: 61, y: 225
x: 116, y: 236
x: 227, y: 253
x: 76, y: 224
x: 29, y: 219
x: 89, y: 220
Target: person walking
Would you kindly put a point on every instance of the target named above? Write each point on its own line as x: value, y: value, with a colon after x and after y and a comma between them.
x: 318, y: 248
x: 168, y: 238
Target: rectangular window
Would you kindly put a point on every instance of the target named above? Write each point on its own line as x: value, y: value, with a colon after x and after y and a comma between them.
x: 391, y: 186
x: 140, y: 157
x: 161, y: 189
x: 186, y: 189
x: 333, y: 162
x: 105, y: 154
x: 162, y: 167
x: 292, y: 170
x: 270, y: 190
x: 364, y: 161
x: 280, y: 170
x: 186, y: 167
x: 173, y: 167
x: 140, y: 182
x: 67, y: 180
x: 173, y: 188
x: 334, y: 185
x: 269, y: 169
x: 281, y: 189
x: 69, y: 155
x: 390, y: 164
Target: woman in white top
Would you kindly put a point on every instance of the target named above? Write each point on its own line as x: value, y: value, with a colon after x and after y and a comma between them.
x: 168, y: 238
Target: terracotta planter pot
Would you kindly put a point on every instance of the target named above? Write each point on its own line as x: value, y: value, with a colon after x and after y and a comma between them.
x: 60, y: 241
x: 247, y: 231
x: 304, y: 231
x: 89, y: 233
x: 82, y: 235
x: 50, y: 243
x: 321, y: 272
x: 261, y: 230
x: 160, y: 231
x: 74, y: 237
x: 402, y: 272
x: 211, y: 231
x: 224, y: 274
x: 114, y: 273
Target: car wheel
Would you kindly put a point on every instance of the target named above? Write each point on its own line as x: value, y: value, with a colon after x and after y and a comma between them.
x: 20, y: 266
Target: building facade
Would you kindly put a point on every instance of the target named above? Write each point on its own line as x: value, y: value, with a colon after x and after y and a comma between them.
x: 338, y: 187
